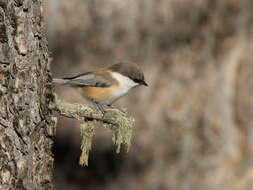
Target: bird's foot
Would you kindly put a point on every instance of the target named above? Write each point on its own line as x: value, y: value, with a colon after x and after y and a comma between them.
x: 100, y: 108
x: 113, y: 107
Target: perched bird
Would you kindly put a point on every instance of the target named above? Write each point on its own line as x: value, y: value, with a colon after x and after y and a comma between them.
x: 105, y: 86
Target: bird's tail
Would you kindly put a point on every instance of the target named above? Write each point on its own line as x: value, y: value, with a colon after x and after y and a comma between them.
x: 60, y: 81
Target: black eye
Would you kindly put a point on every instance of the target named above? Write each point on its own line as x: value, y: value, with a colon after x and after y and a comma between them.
x: 137, y: 81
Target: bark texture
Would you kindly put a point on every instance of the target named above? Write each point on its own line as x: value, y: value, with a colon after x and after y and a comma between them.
x: 26, y: 122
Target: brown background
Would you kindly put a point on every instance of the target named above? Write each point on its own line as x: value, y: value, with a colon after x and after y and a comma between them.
x: 194, y: 121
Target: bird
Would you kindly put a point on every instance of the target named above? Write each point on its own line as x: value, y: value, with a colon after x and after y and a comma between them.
x: 106, y: 85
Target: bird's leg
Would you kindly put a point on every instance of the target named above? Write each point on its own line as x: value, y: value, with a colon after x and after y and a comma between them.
x: 100, y: 107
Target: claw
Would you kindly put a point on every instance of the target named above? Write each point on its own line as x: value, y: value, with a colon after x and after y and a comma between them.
x: 113, y: 107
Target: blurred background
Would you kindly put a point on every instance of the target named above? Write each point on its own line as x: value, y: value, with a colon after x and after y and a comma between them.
x: 194, y: 123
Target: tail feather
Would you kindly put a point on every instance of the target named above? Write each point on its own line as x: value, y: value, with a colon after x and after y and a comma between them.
x: 60, y: 81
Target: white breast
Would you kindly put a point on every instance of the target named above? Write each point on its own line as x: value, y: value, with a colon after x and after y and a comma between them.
x: 125, y: 84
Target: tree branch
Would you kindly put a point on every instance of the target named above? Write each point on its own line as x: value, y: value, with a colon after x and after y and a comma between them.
x: 117, y: 121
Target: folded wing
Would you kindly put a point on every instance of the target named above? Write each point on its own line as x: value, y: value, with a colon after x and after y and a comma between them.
x: 85, y: 79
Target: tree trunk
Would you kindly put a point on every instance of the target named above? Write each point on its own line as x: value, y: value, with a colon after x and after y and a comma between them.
x: 26, y: 122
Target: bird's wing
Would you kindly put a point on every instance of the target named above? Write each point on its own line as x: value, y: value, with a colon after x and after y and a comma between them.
x: 87, y: 79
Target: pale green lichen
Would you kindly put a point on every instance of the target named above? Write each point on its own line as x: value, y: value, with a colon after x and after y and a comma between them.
x: 87, y: 132
x: 117, y: 121
x: 122, y: 133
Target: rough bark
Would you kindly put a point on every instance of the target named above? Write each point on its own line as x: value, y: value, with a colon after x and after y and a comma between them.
x: 26, y: 122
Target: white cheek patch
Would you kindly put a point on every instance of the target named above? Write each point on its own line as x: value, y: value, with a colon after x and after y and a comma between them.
x: 125, y: 84
x: 124, y: 81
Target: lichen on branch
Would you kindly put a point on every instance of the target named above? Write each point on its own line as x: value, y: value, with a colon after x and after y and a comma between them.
x: 119, y: 122
x: 87, y: 132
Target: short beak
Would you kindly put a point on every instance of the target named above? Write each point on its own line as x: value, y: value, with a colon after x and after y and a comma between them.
x: 144, y: 83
